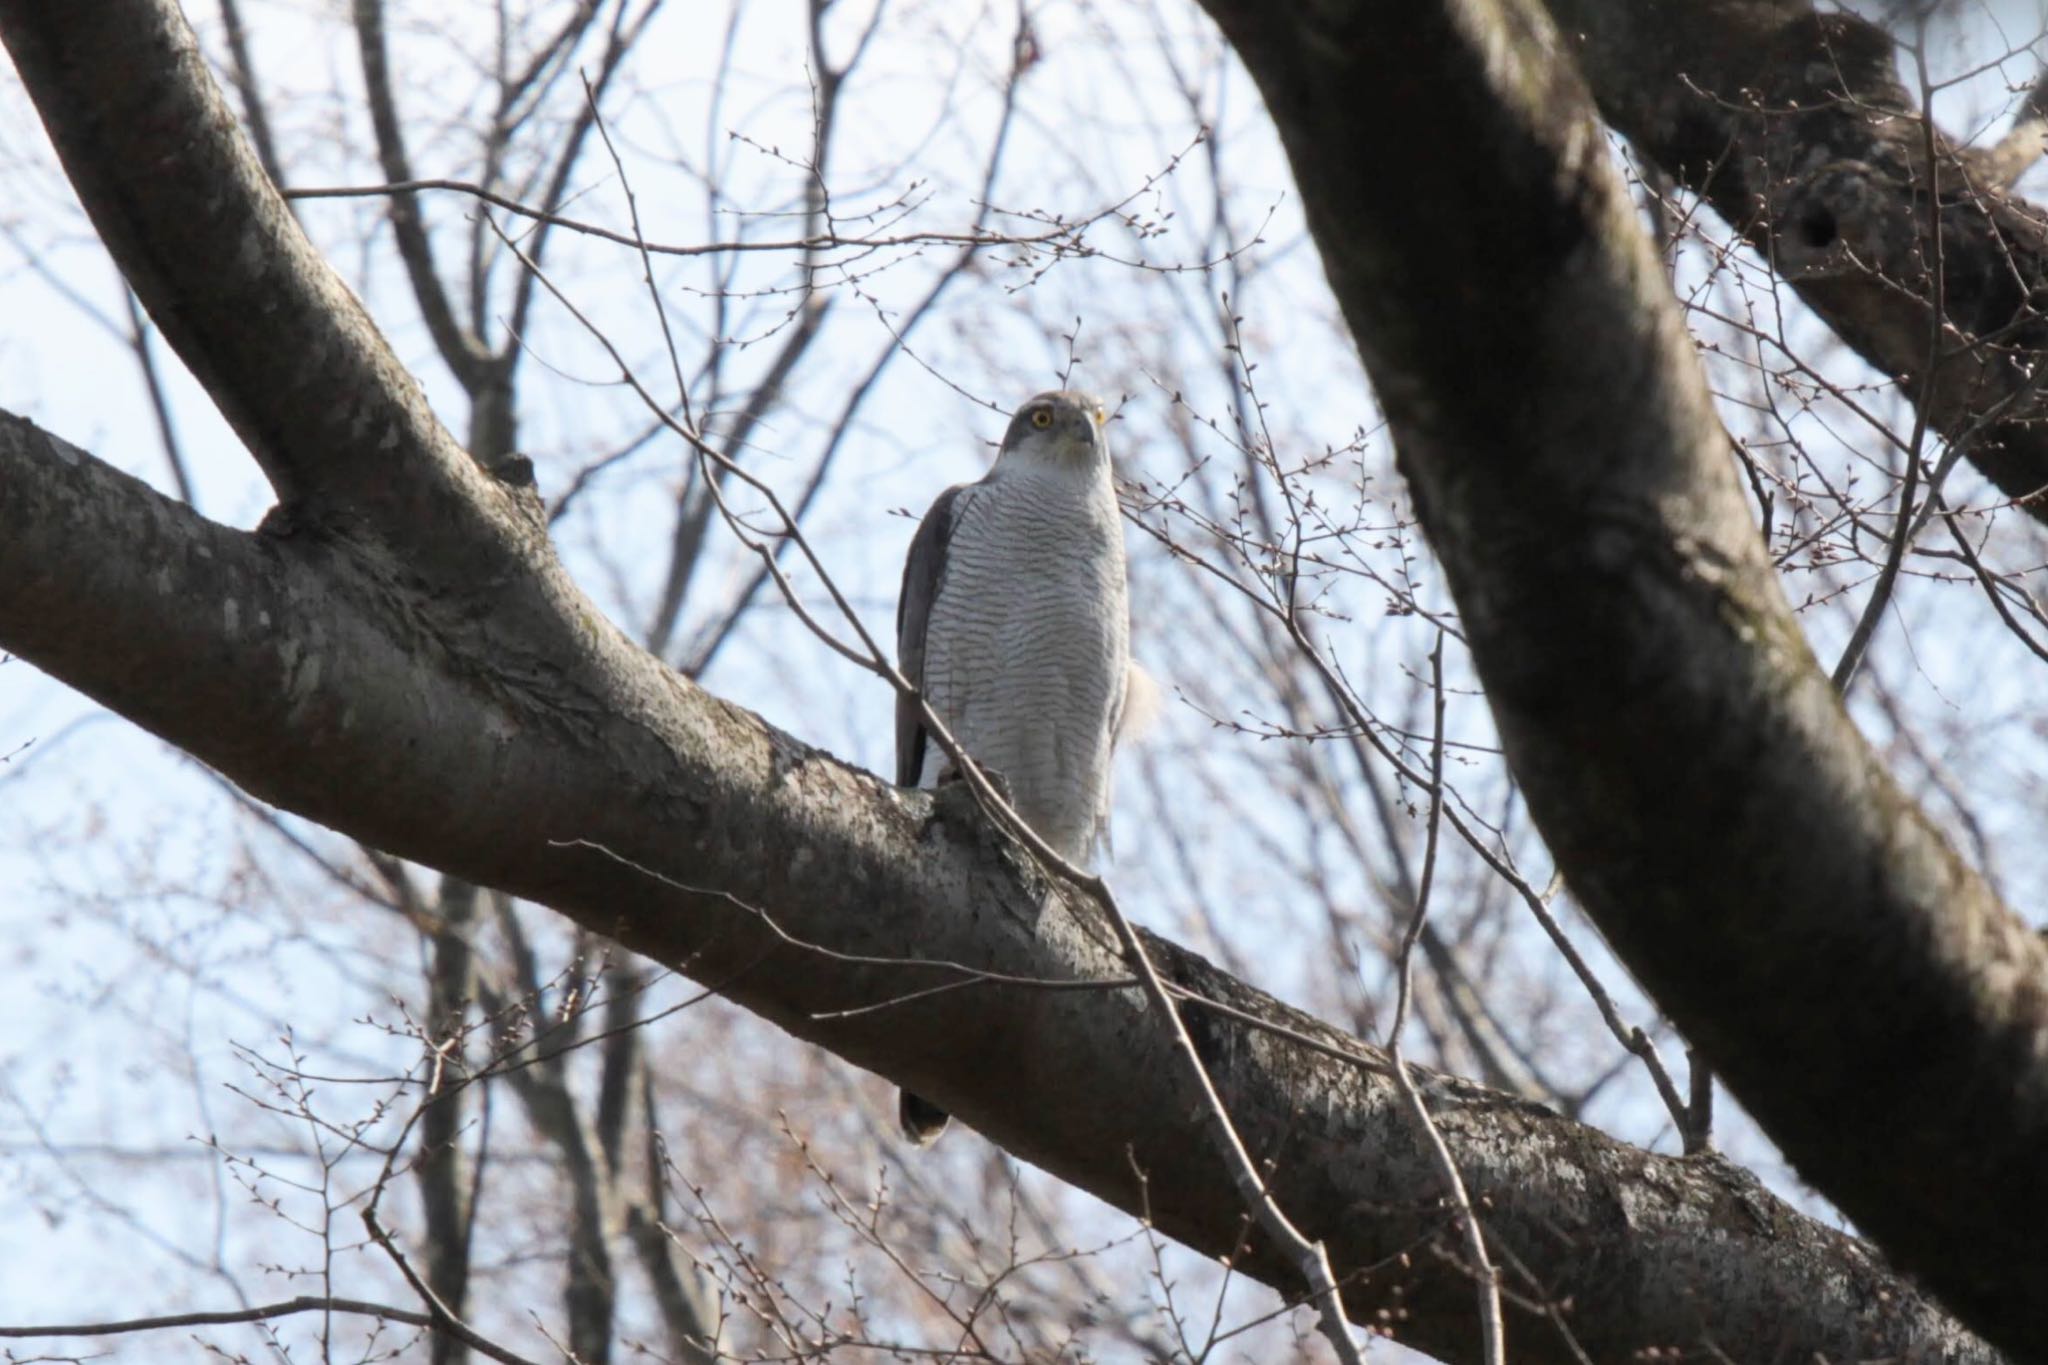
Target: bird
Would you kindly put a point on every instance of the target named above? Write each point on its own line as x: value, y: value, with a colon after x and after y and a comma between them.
x: 1014, y: 624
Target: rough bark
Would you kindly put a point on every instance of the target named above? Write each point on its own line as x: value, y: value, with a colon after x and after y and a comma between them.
x: 400, y: 656
x: 804, y: 888
x: 1795, y: 127
x: 1861, y: 990
x: 281, y: 344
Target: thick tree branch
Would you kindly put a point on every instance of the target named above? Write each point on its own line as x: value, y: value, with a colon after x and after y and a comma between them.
x: 282, y: 346
x: 464, y: 354
x: 442, y: 1169
x: 1795, y: 127
x: 1862, y: 992
x: 806, y: 890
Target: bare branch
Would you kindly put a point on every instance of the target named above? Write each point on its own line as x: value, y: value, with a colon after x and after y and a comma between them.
x: 304, y: 1303
x: 823, y: 241
x: 1492, y: 1331
x: 444, y: 1320
x: 322, y: 713
x: 1629, y: 626
x: 465, y: 354
x: 1792, y: 124
x: 339, y: 427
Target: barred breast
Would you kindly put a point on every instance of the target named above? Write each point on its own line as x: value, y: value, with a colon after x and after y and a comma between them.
x: 1029, y: 643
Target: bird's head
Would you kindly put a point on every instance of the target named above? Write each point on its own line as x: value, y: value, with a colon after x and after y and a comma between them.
x: 1064, y: 429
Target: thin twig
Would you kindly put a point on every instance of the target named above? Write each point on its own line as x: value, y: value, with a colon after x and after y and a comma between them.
x: 440, y: 1318
x: 823, y: 242
x: 1631, y: 1037
x: 263, y: 1312
x: 1634, y: 1039
x: 1493, y: 1334
x: 1311, y: 1261
x: 1994, y: 587
x: 1908, y: 524
x: 703, y: 652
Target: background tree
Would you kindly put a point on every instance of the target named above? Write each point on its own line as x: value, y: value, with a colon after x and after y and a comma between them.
x: 467, y: 1111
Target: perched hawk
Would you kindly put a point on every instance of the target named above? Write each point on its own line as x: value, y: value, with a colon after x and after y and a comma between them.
x: 1013, y: 623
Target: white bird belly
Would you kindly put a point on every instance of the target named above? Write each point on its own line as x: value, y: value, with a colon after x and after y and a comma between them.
x: 1026, y: 654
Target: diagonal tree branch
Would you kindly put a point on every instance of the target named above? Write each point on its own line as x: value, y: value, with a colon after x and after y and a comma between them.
x: 806, y: 891
x: 1861, y: 990
x: 1795, y: 127
x: 282, y: 346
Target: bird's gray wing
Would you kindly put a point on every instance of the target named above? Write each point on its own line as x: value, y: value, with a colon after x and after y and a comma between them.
x: 922, y: 571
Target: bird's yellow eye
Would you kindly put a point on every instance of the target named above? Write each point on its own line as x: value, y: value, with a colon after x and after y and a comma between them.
x: 1042, y: 418
x: 1102, y: 417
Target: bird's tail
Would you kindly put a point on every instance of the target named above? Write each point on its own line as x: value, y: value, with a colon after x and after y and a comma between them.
x: 922, y: 1120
